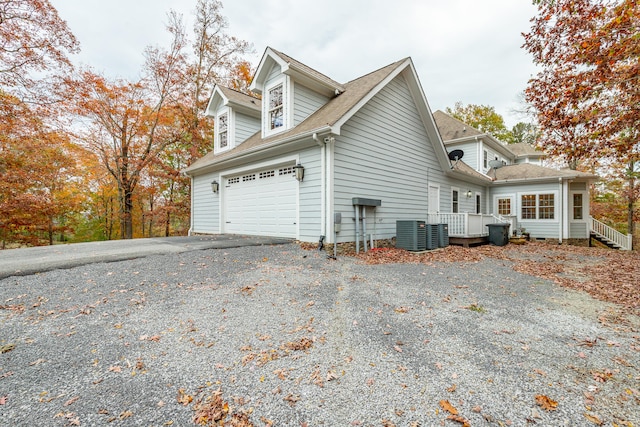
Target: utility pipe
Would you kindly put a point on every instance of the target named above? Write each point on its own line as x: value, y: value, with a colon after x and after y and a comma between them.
x: 323, y: 185
x: 364, y: 228
x: 355, y: 208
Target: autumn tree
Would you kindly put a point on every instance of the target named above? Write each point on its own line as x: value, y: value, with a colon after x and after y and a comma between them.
x: 39, y: 176
x: 33, y: 41
x: 217, y: 58
x: 587, y: 93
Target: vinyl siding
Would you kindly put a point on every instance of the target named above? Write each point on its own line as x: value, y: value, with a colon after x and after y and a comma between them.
x: 492, y: 154
x: 465, y: 204
x: 470, y: 150
x: 206, y: 208
x: 245, y: 127
x: 305, y: 103
x: 578, y: 230
x: 537, y: 228
x: 383, y: 153
x: 310, y: 196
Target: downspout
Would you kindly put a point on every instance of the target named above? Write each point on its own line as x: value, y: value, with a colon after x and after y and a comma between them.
x: 563, y: 210
x: 323, y: 185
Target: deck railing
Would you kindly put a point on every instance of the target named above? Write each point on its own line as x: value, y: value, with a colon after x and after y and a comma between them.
x: 624, y: 241
x: 465, y: 224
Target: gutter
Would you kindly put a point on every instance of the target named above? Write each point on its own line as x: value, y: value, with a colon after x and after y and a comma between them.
x: 276, y: 143
x: 540, y: 179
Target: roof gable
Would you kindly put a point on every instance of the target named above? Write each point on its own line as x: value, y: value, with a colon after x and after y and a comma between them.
x: 301, y: 73
x: 337, y: 111
x: 231, y: 98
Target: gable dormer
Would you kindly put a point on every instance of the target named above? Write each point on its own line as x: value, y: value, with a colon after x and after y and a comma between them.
x: 290, y: 91
x: 236, y: 115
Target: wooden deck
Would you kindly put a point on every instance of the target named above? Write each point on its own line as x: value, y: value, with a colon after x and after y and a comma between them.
x: 468, y: 241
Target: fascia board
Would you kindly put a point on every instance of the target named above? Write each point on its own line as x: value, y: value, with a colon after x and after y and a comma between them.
x: 266, y: 148
x: 216, y: 91
x: 257, y: 84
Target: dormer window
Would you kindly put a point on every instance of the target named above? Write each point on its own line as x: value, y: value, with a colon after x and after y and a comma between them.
x: 276, y: 107
x: 223, y: 130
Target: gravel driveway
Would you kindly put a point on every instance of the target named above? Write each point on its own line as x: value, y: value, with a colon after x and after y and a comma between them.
x: 285, y: 337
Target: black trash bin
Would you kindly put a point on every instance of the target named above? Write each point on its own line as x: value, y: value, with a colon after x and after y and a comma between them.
x: 499, y: 233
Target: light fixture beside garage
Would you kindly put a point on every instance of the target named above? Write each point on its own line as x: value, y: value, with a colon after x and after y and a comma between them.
x: 215, y: 186
x: 299, y: 169
x: 469, y: 194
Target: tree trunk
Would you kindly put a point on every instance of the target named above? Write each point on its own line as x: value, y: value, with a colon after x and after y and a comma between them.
x: 126, y: 220
x: 631, y: 199
x: 50, y: 231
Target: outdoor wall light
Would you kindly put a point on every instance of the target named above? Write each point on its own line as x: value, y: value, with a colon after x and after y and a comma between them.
x: 215, y: 186
x: 469, y: 194
x: 299, y: 169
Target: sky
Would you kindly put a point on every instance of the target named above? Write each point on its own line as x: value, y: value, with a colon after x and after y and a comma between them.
x: 463, y: 50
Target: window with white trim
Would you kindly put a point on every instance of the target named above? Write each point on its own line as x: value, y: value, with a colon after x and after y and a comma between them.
x: 538, y: 206
x: 577, y: 206
x: 485, y: 159
x: 455, y: 200
x: 223, y: 131
x: 276, y: 107
x: 504, y: 206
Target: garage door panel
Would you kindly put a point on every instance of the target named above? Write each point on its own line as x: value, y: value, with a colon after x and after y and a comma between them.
x: 264, y: 203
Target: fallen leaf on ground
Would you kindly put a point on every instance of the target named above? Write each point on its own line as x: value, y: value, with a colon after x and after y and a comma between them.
x: 292, y: 399
x: 546, y: 403
x: 593, y: 418
x: 444, y: 404
x: 183, y: 397
x: 459, y: 419
x: 71, y: 401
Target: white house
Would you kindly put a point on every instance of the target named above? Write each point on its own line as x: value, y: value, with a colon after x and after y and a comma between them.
x: 370, y: 150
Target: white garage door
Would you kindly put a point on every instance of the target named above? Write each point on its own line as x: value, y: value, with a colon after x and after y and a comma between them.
x: 261, y: 203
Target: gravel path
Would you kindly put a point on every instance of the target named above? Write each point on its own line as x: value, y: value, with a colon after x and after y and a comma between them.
x: 281, y: 336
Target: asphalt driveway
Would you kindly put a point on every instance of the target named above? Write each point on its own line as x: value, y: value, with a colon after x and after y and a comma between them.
x: 45, y: 258
x: 274, y: 335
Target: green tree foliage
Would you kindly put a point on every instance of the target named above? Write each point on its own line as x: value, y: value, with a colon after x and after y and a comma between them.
x: 481, y: 117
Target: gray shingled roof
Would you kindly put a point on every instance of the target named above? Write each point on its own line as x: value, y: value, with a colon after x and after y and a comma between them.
x: 241, y: 99
x: 531, y: 171
x: 308, y: 70
x: 451, y: 128
x: 328, y: 115
x: 524, y: 149
x: 464, y: 168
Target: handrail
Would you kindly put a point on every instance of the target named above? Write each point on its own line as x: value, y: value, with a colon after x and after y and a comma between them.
x: 624, y: 241
x: 463, y: 224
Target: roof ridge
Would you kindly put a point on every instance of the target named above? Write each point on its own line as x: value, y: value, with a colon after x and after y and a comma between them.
x: 290, y: 59
x: 394, y: 64
x: 236, y: 91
